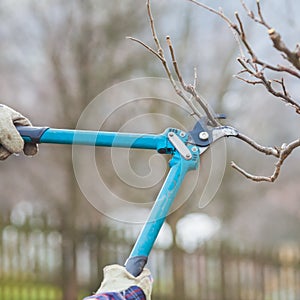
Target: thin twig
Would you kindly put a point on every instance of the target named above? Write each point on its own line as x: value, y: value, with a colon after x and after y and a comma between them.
x: 266, y: 150
x: 251, y: 14
x: 214, y: 11
x: 190, y: 88
x: 280, y: 152
x: 175, y: 65
x: 262, y: 21
x: 160, y: 55
x: 248, y: 175
x: 282, y: 84
x: 292, y: 56
x: 146, y: 46
x: 268, y: 85
x: 152, y: 26
x: 184, y: 87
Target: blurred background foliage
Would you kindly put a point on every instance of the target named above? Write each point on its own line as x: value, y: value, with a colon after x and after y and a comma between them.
x: 55, y: 58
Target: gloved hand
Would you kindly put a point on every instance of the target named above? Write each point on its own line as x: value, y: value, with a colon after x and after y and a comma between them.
x: 10, y: 139
x: 117, y: 279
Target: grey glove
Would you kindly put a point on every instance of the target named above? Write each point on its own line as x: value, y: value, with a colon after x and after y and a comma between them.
x: 10, y: 139
x: 117, y: 279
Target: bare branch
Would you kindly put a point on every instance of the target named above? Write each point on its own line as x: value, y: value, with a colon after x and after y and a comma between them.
x: 185, y: 88
x: 262, y: 21
x: 251, y: 14
x: 214, y: 11
x: 147, y: 47
x: 160, y: 55
x: 292, y: 56
x: 251, y: 65
x: 266, y: 150
x: 175, y: 65
x: 288, y: 70
x: 231, y: 25
x: 281, y: 153
x: 253, y: 82
x: 282, y: 84
x: 256, y: 178
x: 259, y: 74
x: 190, y: 88
x: 152, y: 26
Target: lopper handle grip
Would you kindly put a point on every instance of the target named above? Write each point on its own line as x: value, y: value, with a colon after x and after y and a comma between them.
x: 32, y: 134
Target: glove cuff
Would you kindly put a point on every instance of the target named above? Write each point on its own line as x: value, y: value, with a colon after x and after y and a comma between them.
x: 117, y: 279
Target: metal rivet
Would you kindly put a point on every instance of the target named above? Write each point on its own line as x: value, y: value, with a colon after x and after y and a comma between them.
x: 182, y: 134
x: 188, y: 155
x: 203, y: 135
x: 171, y: 134
x: 194, y: 149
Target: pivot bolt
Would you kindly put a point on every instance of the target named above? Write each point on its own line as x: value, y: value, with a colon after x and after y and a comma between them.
x: 203, y: 135
x: 194, y: 149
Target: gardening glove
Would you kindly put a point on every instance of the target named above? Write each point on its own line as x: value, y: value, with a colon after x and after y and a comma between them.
x: 10, y: 139
x: 118, y: 279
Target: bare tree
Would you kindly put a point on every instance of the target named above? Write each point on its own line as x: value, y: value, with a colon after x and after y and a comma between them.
x: 257, y: 69
x: 77, y: 44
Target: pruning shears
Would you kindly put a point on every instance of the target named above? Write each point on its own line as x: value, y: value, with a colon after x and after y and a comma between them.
x: 185, y: 148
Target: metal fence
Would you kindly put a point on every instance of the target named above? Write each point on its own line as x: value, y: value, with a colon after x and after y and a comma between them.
x: 32, y: 260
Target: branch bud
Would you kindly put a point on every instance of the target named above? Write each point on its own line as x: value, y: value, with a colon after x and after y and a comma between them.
x: 168, y: 39
x: 271, y: 31
x: 275, y: 36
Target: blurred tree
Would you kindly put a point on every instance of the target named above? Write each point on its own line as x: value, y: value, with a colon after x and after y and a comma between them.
x: 66, y: 53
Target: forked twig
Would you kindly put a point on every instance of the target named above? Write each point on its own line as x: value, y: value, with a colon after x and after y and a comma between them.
x: 183, y: 89
x: 190, y: 88
x: 282, y: 153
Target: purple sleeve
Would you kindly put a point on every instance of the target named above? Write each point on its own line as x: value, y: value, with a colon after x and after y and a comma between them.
x: 133, y: 293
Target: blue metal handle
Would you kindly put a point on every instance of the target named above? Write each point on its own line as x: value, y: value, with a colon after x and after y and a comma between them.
x: 139, y: 254
x: 157, y: 142
x: 179, y: 166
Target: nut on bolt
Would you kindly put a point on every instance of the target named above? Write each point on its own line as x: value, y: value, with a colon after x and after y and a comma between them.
x: 204, y: 135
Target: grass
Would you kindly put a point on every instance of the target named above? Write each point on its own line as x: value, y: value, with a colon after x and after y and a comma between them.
x: 32, y: 291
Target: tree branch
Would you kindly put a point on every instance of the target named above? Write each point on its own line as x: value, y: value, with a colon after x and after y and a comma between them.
x: 191, y: 88
x: 251, y: 65
x: 255, y: 68
x: 183, y: 88
x: 281, y: 153
x: 266, y: 150
x: 253, y: 61
x: 292, y: 56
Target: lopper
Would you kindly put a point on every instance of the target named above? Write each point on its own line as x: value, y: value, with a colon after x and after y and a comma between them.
x: 185, y: 149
